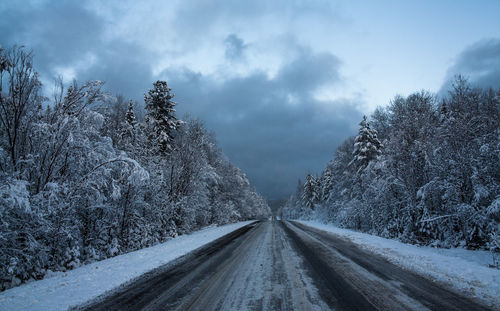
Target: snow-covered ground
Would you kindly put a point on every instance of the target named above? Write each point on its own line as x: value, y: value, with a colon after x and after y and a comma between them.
x: 74, y: 287
x: 464, y: 270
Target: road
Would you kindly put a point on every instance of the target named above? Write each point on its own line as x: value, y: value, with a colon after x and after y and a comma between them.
x: 275, y: 265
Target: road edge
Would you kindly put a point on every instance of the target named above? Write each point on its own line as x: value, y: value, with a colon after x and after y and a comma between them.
x: 160, y: 269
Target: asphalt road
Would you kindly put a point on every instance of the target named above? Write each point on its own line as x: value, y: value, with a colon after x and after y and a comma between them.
x: 275, y: 265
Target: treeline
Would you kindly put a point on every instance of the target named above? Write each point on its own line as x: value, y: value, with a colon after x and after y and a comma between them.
x: 82, y: 179
x: 423, y: 170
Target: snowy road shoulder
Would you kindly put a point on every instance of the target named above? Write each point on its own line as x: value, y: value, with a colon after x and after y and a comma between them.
x: 463, y: 270
x: 87, y: 282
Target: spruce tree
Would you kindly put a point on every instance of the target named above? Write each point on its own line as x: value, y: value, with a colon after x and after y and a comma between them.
x: 366, y: 146
x: 310, y: 192
x: 130, y: 115
x: 327, y: 183
x: 161, y: 116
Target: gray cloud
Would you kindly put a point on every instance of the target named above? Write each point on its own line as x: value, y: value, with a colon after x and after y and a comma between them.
x: 274, y: 128
x: 480, y: 63
x: 309, y: 71
x: 68, y: 35
x: 124, y: 67
x: 59, y: 33
x: 196, y: 18
x: 235, y: 46
x: 274, y: 139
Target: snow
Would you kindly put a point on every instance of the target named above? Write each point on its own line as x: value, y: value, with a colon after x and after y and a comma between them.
x: 264, y: 272
x: 466, y: 271
x: 62, y: 290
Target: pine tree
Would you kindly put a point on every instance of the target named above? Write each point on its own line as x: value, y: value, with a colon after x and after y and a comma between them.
x: 310, y: 192
x: 327, y: 183
x: 366, y: 146
x: 161, y: 116
x: 130, y: 115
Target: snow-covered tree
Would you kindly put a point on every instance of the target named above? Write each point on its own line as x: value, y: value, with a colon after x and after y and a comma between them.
x: 310, y: 194
x: 327, y: 183
x: 436, y: 180
x: 18, y: 103
x: 366, y: 146
x: 380, y: 123
x: 130, y: 115
x: 161, y: 116
x: 79, y: 183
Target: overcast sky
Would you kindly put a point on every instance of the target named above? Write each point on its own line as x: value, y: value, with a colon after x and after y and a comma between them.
x: 282, y: 83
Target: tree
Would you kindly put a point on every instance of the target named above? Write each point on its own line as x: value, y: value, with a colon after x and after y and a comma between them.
x: 18, y: 104
x: 161, y: 116
x: 366, y: 146
x: 78, y: 182
x: 437, y: 179
x: 310, y: 194
x: 130, y: 115
x: 380, y: 122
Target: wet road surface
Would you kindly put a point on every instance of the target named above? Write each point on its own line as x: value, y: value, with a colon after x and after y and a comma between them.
x: 275, y: 265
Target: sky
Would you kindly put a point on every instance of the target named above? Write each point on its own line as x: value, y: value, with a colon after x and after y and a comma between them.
x: 281, y: 83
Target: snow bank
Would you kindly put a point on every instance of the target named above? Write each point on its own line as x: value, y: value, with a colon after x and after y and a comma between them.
x: 464, y: 270
x: 75, y: 287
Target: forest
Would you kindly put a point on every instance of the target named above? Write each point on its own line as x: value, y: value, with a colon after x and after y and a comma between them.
x: 85, y: 175
x: 425, y: 170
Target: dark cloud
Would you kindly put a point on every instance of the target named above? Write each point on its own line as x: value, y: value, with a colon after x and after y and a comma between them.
x: 66, y: 34
x: 60, y: 33
x: 235, y: 46
x: 124, y: 67
x: 309, y: 71
x: 273, y: 128
x: 195, y: 18
x: 480, y: 63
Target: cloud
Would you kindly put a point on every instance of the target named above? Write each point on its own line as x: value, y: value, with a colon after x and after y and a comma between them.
x: 68, y: 39
x: 124, y: 67
x: 271, y: 123
x: 235, y: 47
x: 272, y: 127
x: 59, y: 33
x: 480, y: 63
